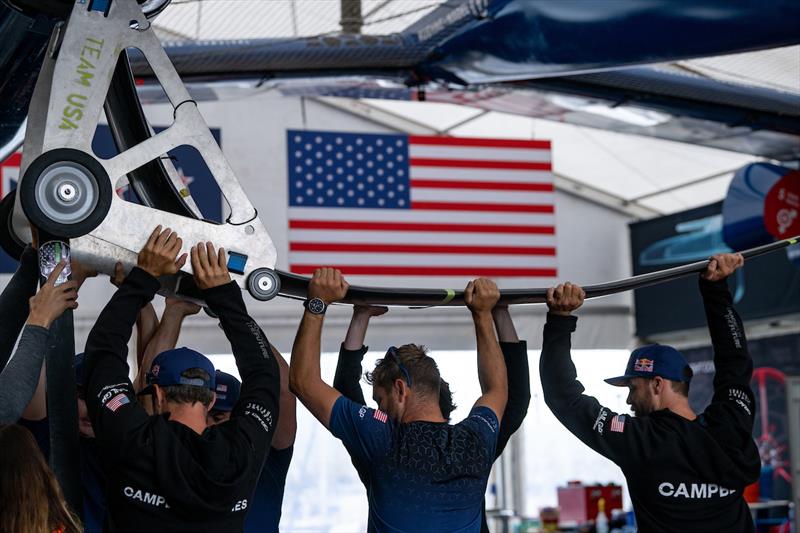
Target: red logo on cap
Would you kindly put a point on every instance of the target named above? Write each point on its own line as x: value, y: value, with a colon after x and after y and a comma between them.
x: 643, y: 365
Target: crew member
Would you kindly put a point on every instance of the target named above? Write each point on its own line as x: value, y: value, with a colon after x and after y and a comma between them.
x: 421, y: 473
x: 169, y: 471
x: 515, y: 353
x: 685, y: 472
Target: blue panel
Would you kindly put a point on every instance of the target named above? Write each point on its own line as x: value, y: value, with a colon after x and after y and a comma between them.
x: 236, y: 262
x: 100, y: 5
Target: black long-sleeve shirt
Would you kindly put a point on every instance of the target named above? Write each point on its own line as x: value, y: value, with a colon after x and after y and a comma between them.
x: 348, y: 374
x: 683, y: 475
x: 162, y: 476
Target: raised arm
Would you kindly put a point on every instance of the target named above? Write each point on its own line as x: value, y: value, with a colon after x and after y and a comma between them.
x: 146, y: 323
x: 37, y: 406
x: 305, y: 376
x: 581, y: 414
x: 348, y: 367
x: 732, y: 361
x: 481, y: 296
x: 110, y: 397
x: 515, y: 355
x: 258, y: 407
x: 287, y: 421
x: 165, y: 336
x: 20, y: 378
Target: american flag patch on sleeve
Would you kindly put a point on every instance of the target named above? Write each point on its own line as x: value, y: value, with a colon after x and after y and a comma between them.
x: 380, y: 416
x: 117, y: 401
x: 618, y: 423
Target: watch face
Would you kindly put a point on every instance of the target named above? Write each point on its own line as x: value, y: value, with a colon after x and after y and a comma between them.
x: 316, y: 306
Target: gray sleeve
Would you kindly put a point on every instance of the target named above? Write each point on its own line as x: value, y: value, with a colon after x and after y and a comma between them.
x: 19, y: 378
x: 14, y: 301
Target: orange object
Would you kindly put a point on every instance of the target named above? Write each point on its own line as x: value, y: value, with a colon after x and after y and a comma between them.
x: 752, y: 492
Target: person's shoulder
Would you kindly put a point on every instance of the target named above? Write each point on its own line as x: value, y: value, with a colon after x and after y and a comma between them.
x: 483, y: 417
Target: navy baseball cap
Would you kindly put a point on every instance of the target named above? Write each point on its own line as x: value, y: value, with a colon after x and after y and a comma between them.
x: 227, y: 390
x: 168, y: 368
x: 651, y: 361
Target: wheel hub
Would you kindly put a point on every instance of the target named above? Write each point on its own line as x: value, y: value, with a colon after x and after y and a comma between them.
x: 265, y: 283
x: 67, y: 192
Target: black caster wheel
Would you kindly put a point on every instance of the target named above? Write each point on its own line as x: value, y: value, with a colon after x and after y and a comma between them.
x: 263, y: 284
x: 65, y: 192
x: 8, y: 239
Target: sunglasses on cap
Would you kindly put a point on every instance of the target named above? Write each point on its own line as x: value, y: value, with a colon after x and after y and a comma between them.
x: 392, y: 353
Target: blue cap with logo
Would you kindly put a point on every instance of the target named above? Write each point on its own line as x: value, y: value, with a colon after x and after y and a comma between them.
x: 168, y: 368
x: 227, y: 390
x: 654, y: 360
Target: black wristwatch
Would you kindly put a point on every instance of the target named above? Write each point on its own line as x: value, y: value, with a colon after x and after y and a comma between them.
x: 315, y: 306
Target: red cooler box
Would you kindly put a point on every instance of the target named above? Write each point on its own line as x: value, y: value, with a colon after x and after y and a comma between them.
x: 577, y: 503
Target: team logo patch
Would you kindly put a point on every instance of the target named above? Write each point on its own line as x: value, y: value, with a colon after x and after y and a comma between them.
x: 222, y: 388
x: 117, y: 401
x: 643, y: 365
x: 380, y: 416
x: 154, y: 370
x: 618, y: 423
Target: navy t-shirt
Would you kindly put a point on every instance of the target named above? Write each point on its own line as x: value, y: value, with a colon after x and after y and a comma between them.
x: 419, y: 476
x: 264, y: 514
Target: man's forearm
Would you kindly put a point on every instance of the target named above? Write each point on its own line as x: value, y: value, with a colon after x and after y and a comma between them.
x: 287, y: 421
x: 18, y: 380
x: 515, y: 355
x: 306, y: 353
x: 491, y: 367
x: 110, y: 335
x: 146, y: 326
x: 506, y: 331
x: 731, y: 358
x: 356, y: 331
x: 258, y: 366
x: 557, y: 371
x: 164, y: 338
x: 348, y: 373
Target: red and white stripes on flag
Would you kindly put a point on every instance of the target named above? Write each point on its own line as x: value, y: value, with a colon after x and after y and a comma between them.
x: 476, y: 207
x: 618, y: 423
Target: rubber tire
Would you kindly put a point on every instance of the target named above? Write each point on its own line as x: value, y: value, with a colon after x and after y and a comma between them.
x: 8, y: 240
x: 27, y: 191
x: 256, y: 291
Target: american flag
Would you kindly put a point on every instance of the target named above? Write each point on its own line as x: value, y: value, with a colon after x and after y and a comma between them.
x: 380, y: 416
x: 117, y: 401
x: 618, y: 423
x: 9, y: 173
x: 399, y: 205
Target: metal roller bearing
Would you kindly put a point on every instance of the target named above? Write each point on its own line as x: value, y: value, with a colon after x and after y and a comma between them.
x: 263, y: 284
